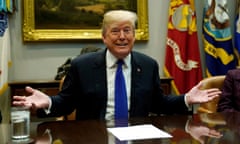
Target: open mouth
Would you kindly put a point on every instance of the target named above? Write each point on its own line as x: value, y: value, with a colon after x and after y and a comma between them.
x: 122, y: 45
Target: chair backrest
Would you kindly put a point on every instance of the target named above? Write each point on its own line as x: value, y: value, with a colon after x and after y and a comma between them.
x: 61, y: 83
x: 211, y: 82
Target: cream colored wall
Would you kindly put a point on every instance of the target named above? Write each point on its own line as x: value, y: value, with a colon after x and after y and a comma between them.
x: 40, y: 60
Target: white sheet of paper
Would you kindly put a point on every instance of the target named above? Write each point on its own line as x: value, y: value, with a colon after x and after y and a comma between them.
x: 137, y: 132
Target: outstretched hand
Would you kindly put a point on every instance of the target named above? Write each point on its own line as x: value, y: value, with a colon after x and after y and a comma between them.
x: 196, y: 95
x: 36, y: 100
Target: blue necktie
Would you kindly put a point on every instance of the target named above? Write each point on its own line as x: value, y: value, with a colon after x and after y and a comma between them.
x: 121, y: 107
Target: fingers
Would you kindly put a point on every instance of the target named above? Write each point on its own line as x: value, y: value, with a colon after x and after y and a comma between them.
x: 23, y: 100
x: 213, y: 90
x: 22, y: 103
x: 214, y: 133
x: 18, y: 103
x: 19, y: 98
x: 208, y: 95
x: 213, y: 93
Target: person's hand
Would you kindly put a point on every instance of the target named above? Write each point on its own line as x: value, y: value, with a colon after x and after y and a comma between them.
x: 199, y: 132
x: 196, y: 95
x: 36, y: 100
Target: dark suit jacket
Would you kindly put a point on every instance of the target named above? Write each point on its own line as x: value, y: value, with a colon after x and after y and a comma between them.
x: 230, y: 98
x: 85, y: 88
x: 0, y: 116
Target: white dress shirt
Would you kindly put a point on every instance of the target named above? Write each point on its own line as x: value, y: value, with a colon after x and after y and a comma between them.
x: 111, y: 72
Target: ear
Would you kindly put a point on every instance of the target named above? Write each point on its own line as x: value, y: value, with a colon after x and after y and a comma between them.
x: 103, y: 38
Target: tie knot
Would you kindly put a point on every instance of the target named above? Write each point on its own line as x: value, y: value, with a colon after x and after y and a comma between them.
x: 120, y: 62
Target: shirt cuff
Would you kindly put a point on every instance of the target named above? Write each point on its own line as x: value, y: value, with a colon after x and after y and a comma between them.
x: 186, y: 126
x: 185, y: 100
x: 47, y: 110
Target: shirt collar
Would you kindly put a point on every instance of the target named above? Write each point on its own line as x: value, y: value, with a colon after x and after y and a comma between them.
x: 111, y: 60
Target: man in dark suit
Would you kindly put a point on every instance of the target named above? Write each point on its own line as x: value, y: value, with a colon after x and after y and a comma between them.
x: 89, y: 84
x: 230, y: 99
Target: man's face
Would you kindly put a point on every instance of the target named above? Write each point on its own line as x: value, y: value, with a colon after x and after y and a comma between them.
x: 119, y: 39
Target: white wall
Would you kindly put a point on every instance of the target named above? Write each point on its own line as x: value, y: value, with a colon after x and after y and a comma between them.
x: 40, y: 60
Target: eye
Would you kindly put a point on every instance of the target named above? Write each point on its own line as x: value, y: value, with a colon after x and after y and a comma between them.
x: 115, y: 31
x: 127, y: 30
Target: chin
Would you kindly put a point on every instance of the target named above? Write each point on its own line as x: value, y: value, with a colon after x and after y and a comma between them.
x: 124, y: 54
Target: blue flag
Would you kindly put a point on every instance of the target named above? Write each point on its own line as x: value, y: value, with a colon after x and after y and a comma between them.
x: 237, y: 35
x: 218, y: 45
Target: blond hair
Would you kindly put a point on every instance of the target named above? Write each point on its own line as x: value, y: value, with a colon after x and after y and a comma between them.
x: 118, y: 16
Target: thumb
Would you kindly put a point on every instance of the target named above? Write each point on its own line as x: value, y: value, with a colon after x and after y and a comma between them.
x: 199, y: 85
x: 29, y: 89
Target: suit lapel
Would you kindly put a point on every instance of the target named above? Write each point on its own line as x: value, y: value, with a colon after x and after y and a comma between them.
x: 100, y: 83
x: 136, y: 76
x: 99, y: 69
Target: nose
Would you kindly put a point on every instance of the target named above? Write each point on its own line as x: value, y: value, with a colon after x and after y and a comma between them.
x: 122, y: 34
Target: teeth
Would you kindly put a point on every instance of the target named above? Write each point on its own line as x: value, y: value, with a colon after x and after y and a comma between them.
x: 122, y: 44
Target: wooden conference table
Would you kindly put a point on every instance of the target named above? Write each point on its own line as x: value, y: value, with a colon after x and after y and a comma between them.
x: 94, y: 132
